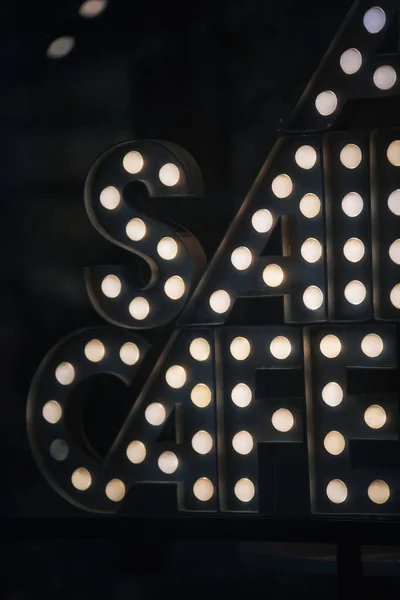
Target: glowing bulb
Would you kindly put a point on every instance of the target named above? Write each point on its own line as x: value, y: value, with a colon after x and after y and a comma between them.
x: 282, y: 186
x: 155, y: 414
x: 350, y: 156
x: 336, y: 491
x: 203, y: 489
x: 241, y: 258
x: 355, y: 292
x: 92, y: 8
x: 176, y: 376
x: 95, y: 351
x: 273, y: 275
x: 330, y: 346
x: 81, y: 479
x: 372, y: 345
x: 200, y: 349
x: 280, y: 347
x: 334, y: 443
x: 374, y: 20
x: 375, y: 416
x: 262, y: 220
x: 168, y: 462
x: 167, y: 248
x: 306, y: 157
x: 133, y: 162
x: 393, y: 153
x: 384, y: 77
x: 139, y: 308
x: 378, y: 491
x: 169, y: 174
x: 311, y: 250
x: 395, y: 296
x: 244, y: 490
x: 129, y: 353
x: 310, y: 205
x: 241, y: 395
x: 111, y: 286
x: 220, y: 301
x: 52, y: 412
x: 332, y: 394
x: 240, y: 348
x: 351, y: 61
x: 243, y: 442
x: 115, y: 490
x: 201, y: 395
x: 60, y: 47
x: 326, y: 103
x: 59, y: 450
x: 352, y: 204
x: 65, y: 373
x: 202, y: 442
x: 394, y: 202
x: 174, y: 287
x: 313, y: 297
x: 354, y: 250
x: 283, y: 420
x: 136, y: 229
x: 136, y: 452
x: 110, y: 197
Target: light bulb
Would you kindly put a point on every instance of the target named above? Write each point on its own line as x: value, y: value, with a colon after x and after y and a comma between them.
x: 203, y: 489
x: 313, y: 297
x: 352, y: 204
x: 129, y: 353
x: 243, y: 442
x: 330, y: 346
x: 201, y: 395
x: 65, y: 373
x: 52, y: 412
x: 310, y: 206
x: 332, y: 394
x: 393, y: 153
x: 311, y: 250
x: 200, y: 349
x: 136, y: 229
x: 326, y: 103
x: 355, y: 292
x: 350, y: 156
x: 374, y: 19
x: 280, y: 347
x: 394, y: 202
x: 282, y: 186
x: 375, y: 416
x: 240, y: 348
x: 372, y: 345
x: 174, y: 287
x: 111, y: 286
x: 283, y: 420
x: 133, y: 162
x: 350, y: 61
x: 334, y: 443
x: 155, y: 414
x: 168, y: 462
x: 139, y: 308
x: 59, y: 450
x: 354, y: 250
x: 385, y: 77
x: 167, y: 248
x: 306, y: 157
x: 395, y: 296
x: 202, y: 442
x: 169, y: 175
x: 115, y: 490
x: 110, y: 197
x: 176, y: 376
x: 336, y: 491
x: 378, y: 491
x: 244, y: 490
x: 220, y: 301
x: 95, y: 351
x: 241, y: 258
x: 262, y: 220
x: 81, y: 479
x: 136, y: 452
x: 273, y: 275
x: 241, y: 395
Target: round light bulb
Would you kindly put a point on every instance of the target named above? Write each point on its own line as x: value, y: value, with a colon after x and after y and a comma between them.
x: 280, y: 347
x: 110, y: 197
x: 155, y: 414
x: 375, y: 416
x: 311, y: 250
x: 350, y: 61
x: 378, y: 491
x: 241, y: 395
x: 92, y: 8
x: 176, y: 376
x: 240, y: 348
x: 310, y: 206
x: 139, y: 308
x: 136, y: 229
x: 136, y: 452
x: 385, y: 77
x: 283, y: 420
x: 115, y: 490
x: 352, y: 204
x: 59, y: 450
x: 313, y: 297
x: 129, y: 353
x: 354, y: 250
x: 350, y: 156
x: 168, y: 462
x: 220, y: 301
x: 169, y: 175
x: 244, y: 490
x: 60, y: 47
x: 334, y: 443
x: 52, y: 412
x: 355, y: 292
x: 336, y: 491
x: 393, y: 153
x: 394, y: 252
x: 306, y: 157
x: 241, y: 258
x: 262, y: 220
x: 95, y: 351
x: 326, y: 103
x: 374, y: 19
x: 81, y: 479
x: 394, y: 202
x: 243, y: 442
x: 395, y: 296
x: 65, y: 373
x: 202, y: 442
x: 133, y: 162
x: 282, y: 186
x: 203, y: 489
x: 111, y: 286
x: 201, y: 395
x: 167, y: 248
x: 330, y: 346
x: 273, y: 275
x: 372, y: 345
x: 200, y: 349
x: 174, y: 287
x: 332, y: 394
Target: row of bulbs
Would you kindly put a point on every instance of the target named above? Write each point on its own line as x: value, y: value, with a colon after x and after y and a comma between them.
x: 378, y: 491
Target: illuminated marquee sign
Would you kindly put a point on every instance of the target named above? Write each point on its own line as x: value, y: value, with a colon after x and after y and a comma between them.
x: 335, y: 195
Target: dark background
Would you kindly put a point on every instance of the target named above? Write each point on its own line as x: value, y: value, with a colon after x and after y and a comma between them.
x: 219, y: 79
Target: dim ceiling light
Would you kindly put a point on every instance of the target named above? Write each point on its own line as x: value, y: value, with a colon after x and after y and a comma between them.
x: 395, y: 296
x: 310, y: 205
x: 241, y: 258
x: 136, y: 229
x: 393, y: 153
x: 169, y: 175
x: 282, y: 186
x: 139, y: 308
x: 385, y: 77
x: 60, y: 47
x: 202, y: 442
x: 52, y: 412
x: 379, y: 491
x: 155, y: 414
x: 241, y: 395
x: 81, y: 479
x: 273, y: 275
x: 203, y: 489
x: 311, y: 250
x: 394, y: 202
x: 372, y: 345
x: 201, y: 395
x: 352, y: 204
x: 136, y: 452
x: 240, y: 348
x: 133, y: 162
x: 115, y: 490
x: 282, y: 420
x: 92, y: 8
x: 95, y: 351
x: 176, y: 376
x: 336, y: 491
x: 350, y: 156
x: 220, y: 301
x: 350, y: 61
x: 243, y: 442
x: 313, y: 297
x: 355, y: 292
x: 374, y: 20
x: 167, y: 248
x: 280, y: 347
x: 59, y: 450
x: 330, y: 346
x: 129, y: 353
x: 326, y: 103
x: 168, y: 462
x: 306, y: 157
x: 174, y: 287
x: 332, y: 394
x: 244, y: 490
x: 65, y: 373
x: 111, y: 286
x: 200, y: 349
x: 262, y: 220
x: 110, y: 197
x: 375, y: 416
x: 334, y: 443
x: 354, y: 250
